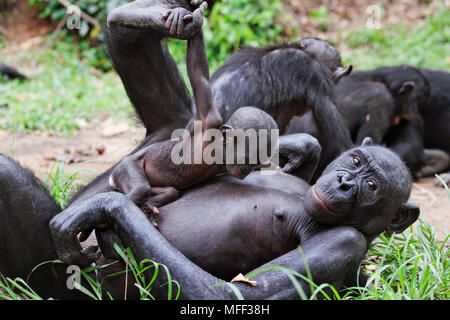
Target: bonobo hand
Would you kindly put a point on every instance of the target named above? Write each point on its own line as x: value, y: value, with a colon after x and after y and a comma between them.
x: 80, y: 218
x: 180, y: 21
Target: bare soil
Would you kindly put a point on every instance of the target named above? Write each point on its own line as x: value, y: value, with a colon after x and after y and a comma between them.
x: 94, y: 149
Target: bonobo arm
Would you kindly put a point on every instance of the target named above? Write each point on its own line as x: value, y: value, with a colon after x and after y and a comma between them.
x: 198, y: 71
x: 331, y: 254
x: 299, y: 155
x: 196, y: 60
x: 333, y: 135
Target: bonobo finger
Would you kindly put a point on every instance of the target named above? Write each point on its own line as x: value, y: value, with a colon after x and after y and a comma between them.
x: 85, y: 234
x: 188, y: 17
x: 169, y: 21
x: 180, y: 25
x: 166, y: 15
x: 174, y: 26
x: 155, y: 210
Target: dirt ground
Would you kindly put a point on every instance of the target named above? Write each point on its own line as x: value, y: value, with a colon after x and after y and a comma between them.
x: 94, y: 149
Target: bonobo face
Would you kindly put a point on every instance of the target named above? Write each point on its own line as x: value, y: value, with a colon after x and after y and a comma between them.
x: 366, y: 187
x: 250, y: 138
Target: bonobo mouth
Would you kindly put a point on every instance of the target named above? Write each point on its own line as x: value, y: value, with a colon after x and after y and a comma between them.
x: 325, y: 207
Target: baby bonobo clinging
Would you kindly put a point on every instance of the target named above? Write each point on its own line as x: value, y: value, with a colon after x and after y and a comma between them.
x: 153, y: 176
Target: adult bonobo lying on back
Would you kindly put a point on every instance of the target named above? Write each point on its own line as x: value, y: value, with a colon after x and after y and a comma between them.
x: 235, y: 226
x: 218, y: 229
x: 153, y: 166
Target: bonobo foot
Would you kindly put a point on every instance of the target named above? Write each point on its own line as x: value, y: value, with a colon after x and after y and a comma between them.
x: 445, y: 177
x: 179, y: 19
x: 158, y: 198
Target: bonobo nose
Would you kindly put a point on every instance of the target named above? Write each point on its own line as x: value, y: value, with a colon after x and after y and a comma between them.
x: 345, y: 181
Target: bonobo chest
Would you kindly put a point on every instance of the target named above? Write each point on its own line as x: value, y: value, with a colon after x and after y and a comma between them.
x: 238, y: 225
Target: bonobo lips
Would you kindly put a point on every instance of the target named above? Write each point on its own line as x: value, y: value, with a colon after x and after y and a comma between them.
x: 325, y: 207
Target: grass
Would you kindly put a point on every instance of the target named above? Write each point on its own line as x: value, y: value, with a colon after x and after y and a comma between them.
x: 422, y: 45
x: 65, y: 95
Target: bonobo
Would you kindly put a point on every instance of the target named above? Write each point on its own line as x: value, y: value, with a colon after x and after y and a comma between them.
x: 287, y: 80
x: 235, y: 226
x: 8, y: 72
x: 153, y: 166
x: 436, y: 115
x: 373, y: 101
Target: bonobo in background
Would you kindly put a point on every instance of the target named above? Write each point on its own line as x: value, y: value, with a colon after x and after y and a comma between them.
x: 8, y: 72
x: 436, y: 115
x: 151, y: 178
x: 371, y: 102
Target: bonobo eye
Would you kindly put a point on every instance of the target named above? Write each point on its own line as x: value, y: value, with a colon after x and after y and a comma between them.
x: 372, y: 184
x: 356, y: 161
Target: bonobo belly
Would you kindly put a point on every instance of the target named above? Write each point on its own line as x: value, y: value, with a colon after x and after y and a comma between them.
x: 230, y: 226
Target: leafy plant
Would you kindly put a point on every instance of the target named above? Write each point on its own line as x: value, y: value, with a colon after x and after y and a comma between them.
x: 234, y: 24
x: 425, y: 45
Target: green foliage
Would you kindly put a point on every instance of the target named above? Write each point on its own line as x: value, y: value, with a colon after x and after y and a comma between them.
x: 65, y: 91
x: 97, y: 9
x: 425, y: 45
x: 62, y: 185
x: 321, y: 15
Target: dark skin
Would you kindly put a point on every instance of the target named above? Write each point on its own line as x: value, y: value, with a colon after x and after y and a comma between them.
x: 152, y: 166
x: 352, y: 203
x: 406, y: 140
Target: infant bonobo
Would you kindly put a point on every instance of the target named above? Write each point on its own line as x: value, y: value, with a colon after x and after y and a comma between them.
x: 151, y: 178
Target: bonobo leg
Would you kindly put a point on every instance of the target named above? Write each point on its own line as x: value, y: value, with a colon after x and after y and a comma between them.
x: 329, y: 261
x: 25, y: 240
x: 445, y: 177
x: 149, y: 74
x: 299, y: 155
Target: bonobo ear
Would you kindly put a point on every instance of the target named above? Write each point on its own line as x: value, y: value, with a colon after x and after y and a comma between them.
x: 224, y: 129
x: 367, y: 141
x: 406, y: 215
x: 406, y: 88
x: 342, y: 72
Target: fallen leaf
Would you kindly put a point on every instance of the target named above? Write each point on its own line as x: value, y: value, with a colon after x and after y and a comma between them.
x: 241, y: 278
